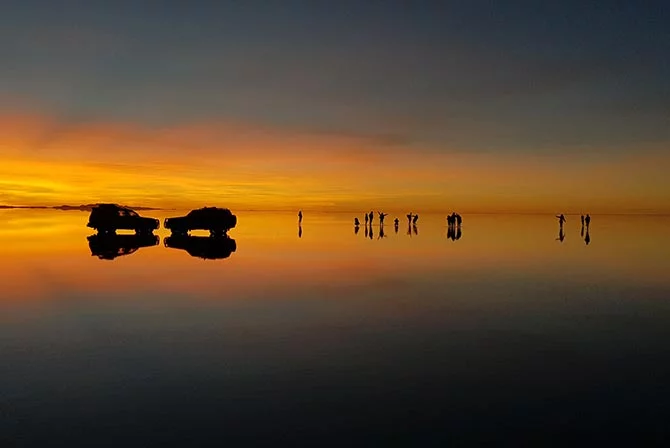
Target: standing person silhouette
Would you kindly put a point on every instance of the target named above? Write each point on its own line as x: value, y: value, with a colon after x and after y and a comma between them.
x: 381, y: 218
x: 300, y: 217
x: 561, y: 220
x: 366, y: 219
x: 415, y: 219
x: 582, y: 220
x: 371, y: 216
x: 357, y: 222
x: 409, y: 218
x: 587, y: 220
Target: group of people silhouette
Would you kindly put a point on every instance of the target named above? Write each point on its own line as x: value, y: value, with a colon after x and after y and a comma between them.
x: 369, y: 219
x: 586, y: 220
x: 454, y: 222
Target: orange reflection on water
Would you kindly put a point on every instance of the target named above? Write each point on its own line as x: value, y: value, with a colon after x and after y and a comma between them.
x: 44, y: 255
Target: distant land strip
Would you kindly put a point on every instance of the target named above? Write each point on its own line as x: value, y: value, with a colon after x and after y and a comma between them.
x: 82, y: 208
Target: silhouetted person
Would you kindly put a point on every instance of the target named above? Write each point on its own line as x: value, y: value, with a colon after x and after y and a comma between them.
x: 450, y: 220
x: 459, y: 220
x: 371, y: 216
x: 587, y: 220
x: 582, y: 232
x: 451, y: 232
x: 366, y: 230
x: 415, y: 219
x: 300, y: 217
x: 409, y: 218
x: 396, y: 222
x: 299, y: 231
x: 414, y: 229
x: 582, y: 220
x: 587, y: 238
x: 366, y: 219
x: 371, y: 234
x: 381, y: 218
x: 381, y: 232
x: 561, y: 220
x: 409, y: 229
x: 561, y: 235
x: 357, y: 222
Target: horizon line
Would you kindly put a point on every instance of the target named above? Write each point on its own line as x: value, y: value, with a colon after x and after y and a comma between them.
x: 86, y: 207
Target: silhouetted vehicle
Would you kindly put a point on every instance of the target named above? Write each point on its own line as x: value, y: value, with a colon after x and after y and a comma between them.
x: 108, y: 218
x: 205, y: 247
x: 108, y: 246
x: 217, y: 220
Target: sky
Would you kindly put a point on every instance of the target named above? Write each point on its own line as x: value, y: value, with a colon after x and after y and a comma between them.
x: 426, y: 106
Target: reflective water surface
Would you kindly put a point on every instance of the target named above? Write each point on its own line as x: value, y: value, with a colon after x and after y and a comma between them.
x: 505, y: 330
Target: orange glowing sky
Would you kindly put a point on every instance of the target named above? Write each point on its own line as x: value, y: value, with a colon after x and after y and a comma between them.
x: 44, y: 161
x: 336, y: 106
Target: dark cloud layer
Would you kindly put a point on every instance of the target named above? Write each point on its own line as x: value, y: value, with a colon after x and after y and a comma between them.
x: 468, y: 75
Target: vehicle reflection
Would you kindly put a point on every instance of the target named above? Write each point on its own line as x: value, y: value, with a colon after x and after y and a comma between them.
x: 205, y: 247
x: 108, y: 246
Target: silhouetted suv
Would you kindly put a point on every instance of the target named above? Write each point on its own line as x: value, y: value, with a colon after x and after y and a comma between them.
x: 106, y: 218
x: 217, y: 220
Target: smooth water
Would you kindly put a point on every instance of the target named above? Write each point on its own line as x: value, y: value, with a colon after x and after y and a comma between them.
x: 321, y: 335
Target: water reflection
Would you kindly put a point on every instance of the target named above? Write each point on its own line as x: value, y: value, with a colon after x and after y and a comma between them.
x: 453, y: 233
x: 205, y: 247
x: 561, y: 234
x: 108, y: 246
x: 587, y: 238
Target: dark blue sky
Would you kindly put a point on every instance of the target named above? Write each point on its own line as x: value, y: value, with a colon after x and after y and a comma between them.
x: 467, y: 75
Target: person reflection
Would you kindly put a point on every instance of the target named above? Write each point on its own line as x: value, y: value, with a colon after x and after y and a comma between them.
x: 356, y: 229
x: 451, y: 233
x: 561, y: 235
x: 366, y: 230
x: 587, y: 238
x: 414, y: 229
x: 381, y: 232
x: 582, y: 232
x: 396, y: 223
x: 299, y: 231
x: 371, y: 233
